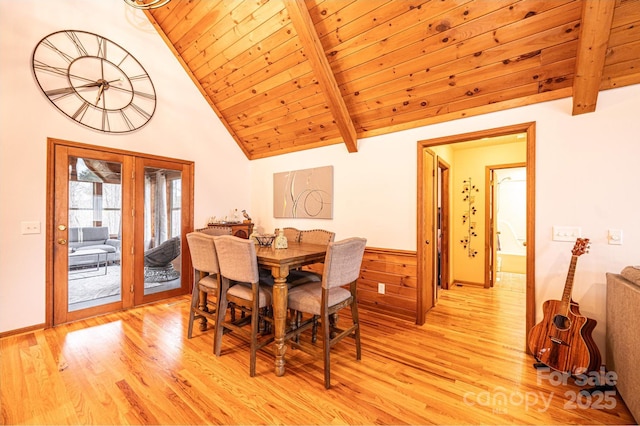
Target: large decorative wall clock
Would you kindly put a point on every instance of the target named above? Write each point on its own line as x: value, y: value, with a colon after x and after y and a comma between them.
x: 94, y: 81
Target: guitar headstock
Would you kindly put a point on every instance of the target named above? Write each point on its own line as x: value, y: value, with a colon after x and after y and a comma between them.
x: 581, y: 247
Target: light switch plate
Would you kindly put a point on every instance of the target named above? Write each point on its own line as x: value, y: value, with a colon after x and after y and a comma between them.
x: 615, y: 237
x: 30, y: 227
x: 566, y: 233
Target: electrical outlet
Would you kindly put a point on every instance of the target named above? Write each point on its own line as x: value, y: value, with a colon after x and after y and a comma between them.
x: 381, y: 288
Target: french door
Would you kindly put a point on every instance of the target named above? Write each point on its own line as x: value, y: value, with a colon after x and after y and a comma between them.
x: 163, y: 218
x: 117, y: 221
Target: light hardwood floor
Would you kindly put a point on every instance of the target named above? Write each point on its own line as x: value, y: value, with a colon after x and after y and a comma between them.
x: 466, y: 365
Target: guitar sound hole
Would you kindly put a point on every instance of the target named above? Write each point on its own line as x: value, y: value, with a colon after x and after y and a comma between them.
x: 561, y: 322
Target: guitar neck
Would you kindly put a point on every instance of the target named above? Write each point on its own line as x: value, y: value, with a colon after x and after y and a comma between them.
x: 568, y: 285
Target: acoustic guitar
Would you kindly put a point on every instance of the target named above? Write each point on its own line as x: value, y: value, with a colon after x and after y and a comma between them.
x: 562, y: 340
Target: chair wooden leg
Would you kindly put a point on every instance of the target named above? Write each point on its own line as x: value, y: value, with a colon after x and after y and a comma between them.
x: 219, y: 328
x: 356, y: 322
x: 314, y: 329
x: 203, y: 307
x: 326, y: 347
x: 194, y: 303
x: 254, y: 344
x: 255, y: 325
x: 296, y: 319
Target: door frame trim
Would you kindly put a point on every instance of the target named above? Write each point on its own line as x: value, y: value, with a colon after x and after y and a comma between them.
x: 528, y: 128
x: 444, y: 169
x: 425, y: 292
x: 52, y: 143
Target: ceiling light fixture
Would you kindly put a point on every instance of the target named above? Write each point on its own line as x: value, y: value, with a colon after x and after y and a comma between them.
x: 146, y: 4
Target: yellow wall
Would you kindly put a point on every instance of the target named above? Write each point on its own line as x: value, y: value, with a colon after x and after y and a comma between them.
x: 472, y: 163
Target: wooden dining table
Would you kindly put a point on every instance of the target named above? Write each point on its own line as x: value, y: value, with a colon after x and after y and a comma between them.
x: 280, y: 262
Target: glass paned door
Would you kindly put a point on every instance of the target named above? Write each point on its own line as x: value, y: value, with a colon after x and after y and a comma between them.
x: 164, y: 266
x: 94, y: 253
x: 116, y: 230
x: 88, y: 233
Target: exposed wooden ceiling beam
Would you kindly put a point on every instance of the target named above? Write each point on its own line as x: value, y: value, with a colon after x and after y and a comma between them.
x: 597, y: 16
x: 301, y: 20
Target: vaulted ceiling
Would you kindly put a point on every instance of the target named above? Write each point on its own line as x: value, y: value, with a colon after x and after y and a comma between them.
x: 289, y: 75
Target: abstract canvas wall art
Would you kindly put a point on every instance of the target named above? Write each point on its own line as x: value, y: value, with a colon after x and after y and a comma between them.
x: 304, y: 193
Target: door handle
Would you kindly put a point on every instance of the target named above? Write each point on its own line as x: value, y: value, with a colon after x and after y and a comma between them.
x: 62, y: 241
x: 427, y: 242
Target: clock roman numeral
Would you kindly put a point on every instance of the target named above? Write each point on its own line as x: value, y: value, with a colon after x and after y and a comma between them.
x: 51, y: 46
x: 102, y: 47
x: 144, y: 95
x: 105, y: 121
x: 128, y: 122
x: 79, y: 114
x: 48, y: 68
x: 139, y: 77
x: 74, y: 38
x: 140, y: 111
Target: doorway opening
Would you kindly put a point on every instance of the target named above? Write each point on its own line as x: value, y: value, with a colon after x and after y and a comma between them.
x: 507, y: 225
x: 439, y: 147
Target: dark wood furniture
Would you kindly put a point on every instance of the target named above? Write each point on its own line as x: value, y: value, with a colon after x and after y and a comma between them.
x: 241, y: 230
x: 280, y: 261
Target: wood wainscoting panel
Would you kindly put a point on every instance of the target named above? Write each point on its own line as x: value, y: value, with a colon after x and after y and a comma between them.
x: 397, y: 270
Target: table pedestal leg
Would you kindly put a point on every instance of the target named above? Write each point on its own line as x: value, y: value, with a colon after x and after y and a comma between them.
x: 280, y: 295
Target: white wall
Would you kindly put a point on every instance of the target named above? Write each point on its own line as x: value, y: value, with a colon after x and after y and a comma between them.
x: 586, y: 175
x: 183, y: 126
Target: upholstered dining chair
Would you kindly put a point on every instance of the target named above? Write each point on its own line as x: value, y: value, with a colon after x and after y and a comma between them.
x: 292, y: 234
x: 322, y: 300
x: 238, y: 263
x: 206, y: 273
x: 216, y: 230
x: 310, y: 273
x: 317, y: 236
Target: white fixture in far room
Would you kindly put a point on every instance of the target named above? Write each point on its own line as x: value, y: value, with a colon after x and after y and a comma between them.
x: 381, y: 288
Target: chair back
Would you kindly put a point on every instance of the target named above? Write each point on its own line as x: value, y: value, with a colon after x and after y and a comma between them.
x: 163, y: 254
x: 203, y: 252
x: 317, y: 236
x: 292, y: 234
x: 342, y: 262
x: 237, y: 258
x: 216, y: 230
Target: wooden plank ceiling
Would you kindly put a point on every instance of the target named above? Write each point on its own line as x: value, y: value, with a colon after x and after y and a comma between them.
x: 289, y: 75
